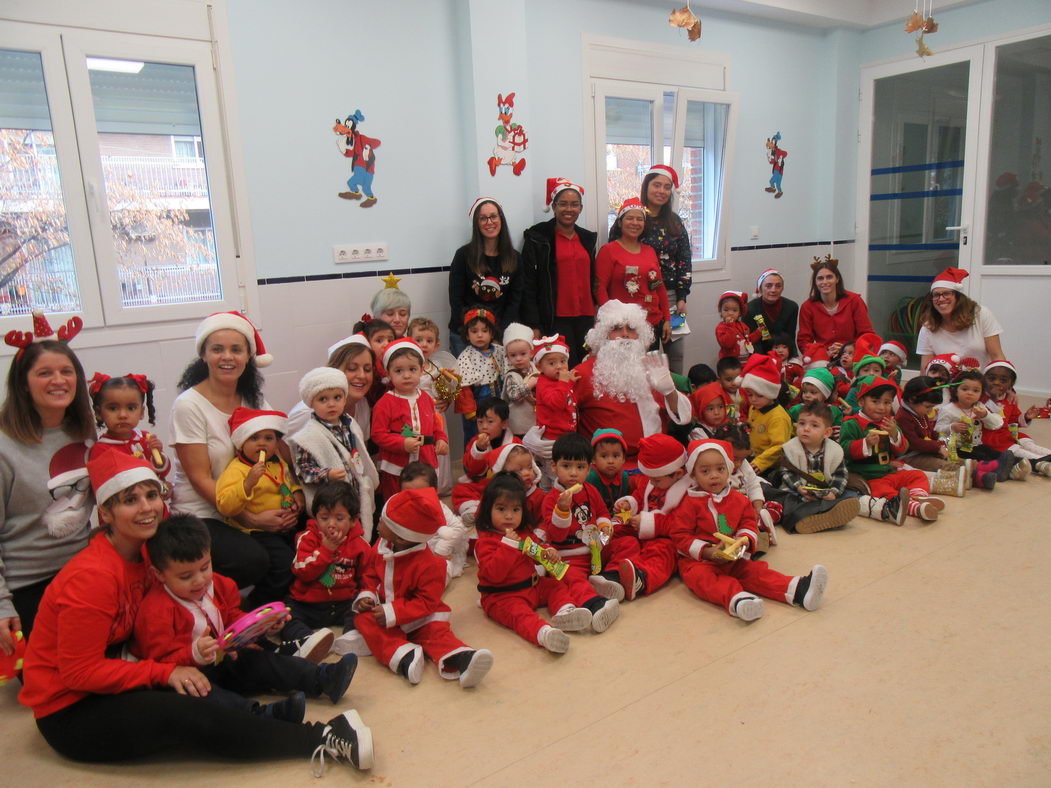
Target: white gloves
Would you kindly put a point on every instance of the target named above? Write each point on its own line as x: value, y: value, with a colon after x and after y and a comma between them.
x: 537, y: 445
x: 657, y: 373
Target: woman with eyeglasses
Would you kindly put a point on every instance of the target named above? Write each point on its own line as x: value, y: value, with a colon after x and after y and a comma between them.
x: 950, y: 322
x: 486, y: 270
x: 558, y: 258
x: 45, y: 422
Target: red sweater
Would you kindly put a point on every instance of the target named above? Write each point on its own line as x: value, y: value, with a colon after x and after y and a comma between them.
x: 734, y: 339
x: 561, y: 530
x: 556, y: 407
x: 817, y: 325
x: 314, y: 561
x: 475, y: 462
x: 407, y: 585
x: 919, y: 431
x: 1003, y: 439
x: 167, y: 629
x: 632, y: 279
x: 695, y: 521
x: 500, y: 562
x: 90, y: 606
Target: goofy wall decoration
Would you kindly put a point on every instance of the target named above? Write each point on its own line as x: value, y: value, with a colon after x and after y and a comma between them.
x: 361, y: 151
x: 511, y: 138
x: 775, y: 156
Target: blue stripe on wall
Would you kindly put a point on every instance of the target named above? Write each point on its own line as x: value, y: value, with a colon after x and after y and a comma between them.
x: 915, y: 195
x: 933, y: 165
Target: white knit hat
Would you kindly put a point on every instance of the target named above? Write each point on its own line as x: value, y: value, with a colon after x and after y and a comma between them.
x: 234, y: 321
x: 516, y: 332
x: 319, y: 379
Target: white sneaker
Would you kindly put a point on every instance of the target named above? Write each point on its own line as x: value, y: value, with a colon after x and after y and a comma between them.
x: 351, y: 642
x: 346, y: 739
x: 572, y: 620
x: 607, y: 614
x: 610, y: 589
x: 554, y: 640
x: 481, y: 662
x: 315, y: 647
x: 747, y: 607
x: 1019, y: 471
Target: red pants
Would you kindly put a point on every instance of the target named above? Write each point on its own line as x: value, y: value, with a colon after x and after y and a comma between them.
x: 576, y: 579
x: 655, y: 557
x: 517, y: 609
x: 888, y: 486
x: 720, y: 583
x: 390, y: 645
x: 389, y: 485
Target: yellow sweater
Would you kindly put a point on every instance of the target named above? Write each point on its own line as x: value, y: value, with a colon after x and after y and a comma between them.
x: 230, y: 498
x: 770, y: 430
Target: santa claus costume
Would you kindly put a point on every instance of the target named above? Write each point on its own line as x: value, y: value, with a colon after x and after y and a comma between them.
x: 642, y: 559
x: 398, y: 416
x: 403, y: 616
x: 1009, y: 436
x: 733, y: 584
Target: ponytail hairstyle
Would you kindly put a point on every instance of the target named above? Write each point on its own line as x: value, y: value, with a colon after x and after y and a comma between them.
x: 101, y: 383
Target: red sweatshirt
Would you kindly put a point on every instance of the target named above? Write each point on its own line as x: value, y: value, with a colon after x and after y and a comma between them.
x: 167, y: 628
x: 695, y: 520
x: 500, y: 562
x: 556, y: 407
x: 475, y: 462
x: 1002, y: 438
x: 561, y: 530
x: 918, y: 431
x: 90, y: 606
x: 314, y: 562
x: 734, y: 339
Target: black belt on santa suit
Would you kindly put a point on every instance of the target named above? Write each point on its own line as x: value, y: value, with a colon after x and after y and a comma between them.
x: 522, y: 585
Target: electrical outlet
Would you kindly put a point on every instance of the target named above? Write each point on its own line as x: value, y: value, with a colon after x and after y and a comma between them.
x: 753, y: 232
x: 360, y: 253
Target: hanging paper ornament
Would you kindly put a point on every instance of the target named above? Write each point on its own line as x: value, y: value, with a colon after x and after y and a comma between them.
x: 685, y: 18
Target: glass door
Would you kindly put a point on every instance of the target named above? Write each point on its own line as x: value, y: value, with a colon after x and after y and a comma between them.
x: 920, y: 176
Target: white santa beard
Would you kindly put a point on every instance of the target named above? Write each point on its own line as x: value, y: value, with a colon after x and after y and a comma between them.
x: 618, y: 371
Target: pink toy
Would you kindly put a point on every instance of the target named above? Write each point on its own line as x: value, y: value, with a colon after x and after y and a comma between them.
x: 251, y: 626
x: 11, y: 665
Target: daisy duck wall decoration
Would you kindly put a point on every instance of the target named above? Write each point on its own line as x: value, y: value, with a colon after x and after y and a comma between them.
x: 511, y: 140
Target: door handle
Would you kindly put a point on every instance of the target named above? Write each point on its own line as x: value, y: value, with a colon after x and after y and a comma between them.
x: 963, y: 232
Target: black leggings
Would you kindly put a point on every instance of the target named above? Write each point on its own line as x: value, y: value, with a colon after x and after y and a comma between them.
x: 981, y: 452
x: 574, y: 329
x: 26, y: 601
x: 106, y: 728
x: 259, y: 559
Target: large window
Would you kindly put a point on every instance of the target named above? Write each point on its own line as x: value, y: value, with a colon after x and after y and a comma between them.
x: 113, y: 186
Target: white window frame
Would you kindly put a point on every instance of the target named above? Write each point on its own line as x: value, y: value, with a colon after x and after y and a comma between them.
x: 197, y: 160
x: 196, y: 33
x: 635, y: 69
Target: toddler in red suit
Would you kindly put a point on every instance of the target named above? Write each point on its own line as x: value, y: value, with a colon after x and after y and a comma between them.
x: 405, y: 425
x: 183, y: 615
x: 513, y: 457
x: 574, y: 511
x: 512, y: 584
x: 556, y: 407
x: 711, y: 506
x: 731, y: 332
x: 642, y: 556
x: 401, y: 615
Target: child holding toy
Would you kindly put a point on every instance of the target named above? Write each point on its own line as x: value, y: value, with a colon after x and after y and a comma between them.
x: 330, y: 446
x: 716, y: 568
x: 404, y: 422
x: 961, y: 421
x: 492, y: 418
x: 439, y: 381
x: 921, y: 396
x: 258, y: 480
x: 731, y: 332
x: 770, y: 423
x: 607, y: 474
x: 184, y: 614
x: 401, y: 615
x: 556, y: 408
x: 451, y: 539
x: 513, y: 584
x: 119, y: 404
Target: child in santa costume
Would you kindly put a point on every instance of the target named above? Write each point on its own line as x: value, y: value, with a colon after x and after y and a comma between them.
x: 642, y: 556
x: 870, y: 440
x: 711, y: 506
x: 574, y: 512
x: 438, y: 380
x: 1000, y: 378
x: 513, y: 457
x: 895, y: 356
x: 607, y: 474
x: 770, y: 423
x: 556, y: 407
x: 731, y: 332
x: 512, y: 584
x: 119, y: 404
x: 184, y: 614
x: 330, y: 445
x: 401, y: 615
x: 451, y: 539
x: 962, y: 421
x: 492, y: 420
x: 405, y: 426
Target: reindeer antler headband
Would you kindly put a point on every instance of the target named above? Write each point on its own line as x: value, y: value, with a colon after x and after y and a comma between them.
x: 42, y: 330
x: 827, y: 262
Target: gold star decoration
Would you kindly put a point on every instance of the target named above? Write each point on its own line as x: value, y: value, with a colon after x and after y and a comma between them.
x: 390, y: 281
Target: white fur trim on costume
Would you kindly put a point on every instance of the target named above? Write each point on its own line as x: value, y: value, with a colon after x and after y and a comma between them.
x: 234, y: 322
x: 353, y: 339
x: 124, y: 480
x: 647, y: 525
x: 247, y: 429
x: 633, y: 505
x: 691, y: 461
x: 766, y: 388
x: 477, y: 203
x: 696, y: 548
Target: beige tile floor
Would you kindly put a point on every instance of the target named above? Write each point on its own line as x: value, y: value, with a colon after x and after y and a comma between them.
x: 928, y: 665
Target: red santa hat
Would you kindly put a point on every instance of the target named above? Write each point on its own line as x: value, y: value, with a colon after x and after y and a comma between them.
x: 950, y: 279
x: 497, y: 458
x: 762, y: 375
x: 609, y: 434
x: 112, y: 471
x: 491, y: 283
x: 896, y: 348
x: 353, y: 339
x: 707, y: 394
x: 631, y: 204
x: 477, y: 204
x: 1002, y: 364
x: 698, y: 447
x: 401, y: 344
x: 233, y: 321
x: 660, y: 454
x: 763, y: 276
x: 551, y: 344
x: 815, y: 355
x: 245, y: 422
x: 738, y: 295
x: 667, y: 172
x: 556, y: 186
x: 950, y: 361
x: 414, y: 515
